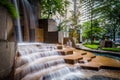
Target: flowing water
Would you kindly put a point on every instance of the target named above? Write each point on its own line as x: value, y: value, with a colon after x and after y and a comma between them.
x: 33, y: 58
x: 43, y: 62
x: 17, y: 23
x: 30, y: 21
x: 37, y: 60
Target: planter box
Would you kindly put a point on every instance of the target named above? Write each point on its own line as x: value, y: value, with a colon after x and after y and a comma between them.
x: 49, y: 27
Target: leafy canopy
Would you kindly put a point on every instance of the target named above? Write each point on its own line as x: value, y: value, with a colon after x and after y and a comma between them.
x: 109, y: 11
x: 96, y: 30
x: 52, y: 7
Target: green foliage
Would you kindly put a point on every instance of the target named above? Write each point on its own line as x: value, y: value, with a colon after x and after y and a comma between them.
x: 97, y: 30
x: 112, y: 49
x: 52, y: 7
x: 91, y: 46
x: 96, y: 45
x: 86, y: 29
x: 10, y: 8
x: 74, y: 20
x: 74, y: 24
x: 109, y: 12
x: 119, y: 33
x: 63, y: 25
x: 73, y: 33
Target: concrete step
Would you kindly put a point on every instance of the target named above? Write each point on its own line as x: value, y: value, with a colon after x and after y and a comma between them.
x: 72, y: 59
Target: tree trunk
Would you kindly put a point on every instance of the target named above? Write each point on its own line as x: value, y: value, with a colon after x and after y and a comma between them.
x: 91, y: 7
x: 114, y: 32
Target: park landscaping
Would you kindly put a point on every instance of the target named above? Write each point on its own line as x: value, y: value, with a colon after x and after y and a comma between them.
x: 96, y: 46
x: 91, y: 46
x: 111, y: 49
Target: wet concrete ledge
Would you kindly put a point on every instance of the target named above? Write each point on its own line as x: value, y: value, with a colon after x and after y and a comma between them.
x: 101, y: 51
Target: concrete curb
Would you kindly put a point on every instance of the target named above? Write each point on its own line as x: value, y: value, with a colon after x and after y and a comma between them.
x: 99, y: 51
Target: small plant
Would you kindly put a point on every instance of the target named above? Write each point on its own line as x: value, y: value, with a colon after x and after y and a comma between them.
x: 10, y: 8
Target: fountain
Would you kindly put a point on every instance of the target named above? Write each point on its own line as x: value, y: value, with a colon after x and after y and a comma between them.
x: 44, y: 62
x: 37, y: 60
x: 30, y: 22
x: 17, y: 24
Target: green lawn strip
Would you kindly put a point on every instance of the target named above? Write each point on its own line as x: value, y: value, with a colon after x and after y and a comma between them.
x: 95, y: 46
x: 111, y: 49
x: 92, y: 46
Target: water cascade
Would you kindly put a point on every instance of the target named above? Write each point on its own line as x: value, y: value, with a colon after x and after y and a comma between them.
x: 37, y: 60
x: 30, y: 22
x: 17, y: 23
x: 56, y: 74
x: 34, y: 56
x: 44, y: 62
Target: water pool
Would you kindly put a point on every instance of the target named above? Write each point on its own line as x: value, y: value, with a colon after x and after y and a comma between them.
x: 108, y: 55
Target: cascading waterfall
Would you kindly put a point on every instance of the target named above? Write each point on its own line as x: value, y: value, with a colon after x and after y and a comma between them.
x: 33, y: 58
x: 33, y: 63
x: 30, y: 22
x: 36, y: 65
x: 38, y: 60
x: 17, y: 24
x: 65, y: 73
x: 39, y: 74
x: 56, y: 74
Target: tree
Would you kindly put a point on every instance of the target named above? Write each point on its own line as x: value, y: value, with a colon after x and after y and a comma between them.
x: 109, y: 11
x: 52, y: 7
x: 74, y: 21
x: 74, y: 24
x: 86, y: 29
x: 63, y: 25
x: 97, y: 31
x: 89, y: 6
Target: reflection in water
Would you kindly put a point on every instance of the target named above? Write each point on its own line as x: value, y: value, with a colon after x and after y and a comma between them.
x: 108, y: 55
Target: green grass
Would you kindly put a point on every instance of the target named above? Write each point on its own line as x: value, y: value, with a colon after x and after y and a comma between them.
x: 92, y: 46
x: 96, y: 45
x: 111, y: 49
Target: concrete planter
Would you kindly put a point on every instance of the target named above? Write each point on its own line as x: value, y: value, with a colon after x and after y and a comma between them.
x: 61, y: 35
x: 6, y: 25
